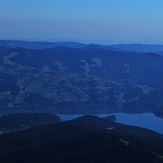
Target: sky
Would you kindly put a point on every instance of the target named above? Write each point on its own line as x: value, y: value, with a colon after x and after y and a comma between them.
x: 97, y: 21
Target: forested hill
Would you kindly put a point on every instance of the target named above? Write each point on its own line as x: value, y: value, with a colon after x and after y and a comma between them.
x: 127, y: 81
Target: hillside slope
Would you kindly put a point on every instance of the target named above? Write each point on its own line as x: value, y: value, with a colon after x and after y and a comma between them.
x: 90, y: 75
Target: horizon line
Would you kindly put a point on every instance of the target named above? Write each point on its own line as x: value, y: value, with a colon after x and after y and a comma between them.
x: 81, y: 42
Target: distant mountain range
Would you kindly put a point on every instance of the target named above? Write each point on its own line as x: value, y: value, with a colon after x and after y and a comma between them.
x: 42, y: 74
x: 154, y: 48
x: 39, y: 44
x: 140, y: 47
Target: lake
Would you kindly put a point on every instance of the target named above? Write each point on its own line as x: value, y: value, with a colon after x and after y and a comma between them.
x: 145, y: 120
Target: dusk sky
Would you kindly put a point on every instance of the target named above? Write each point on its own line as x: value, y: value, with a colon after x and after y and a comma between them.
x: 98, y: 21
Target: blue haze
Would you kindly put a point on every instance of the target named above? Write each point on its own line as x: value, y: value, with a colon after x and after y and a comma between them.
x: 99, y: 21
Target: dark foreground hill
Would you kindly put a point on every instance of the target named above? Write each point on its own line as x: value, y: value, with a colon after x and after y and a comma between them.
x: 126, y: 81
x: 20, y: 121
x: 88, y: 139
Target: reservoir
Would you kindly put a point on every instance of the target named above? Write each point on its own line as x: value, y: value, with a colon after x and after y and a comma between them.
x: 144, y: 120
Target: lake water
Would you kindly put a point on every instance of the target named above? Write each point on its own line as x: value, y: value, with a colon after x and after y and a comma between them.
x: 145, y: 120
